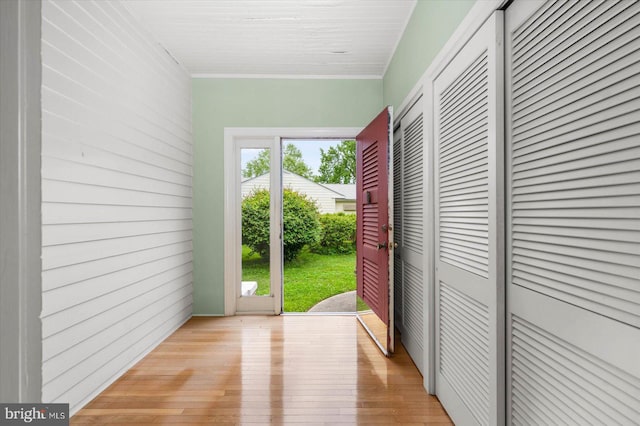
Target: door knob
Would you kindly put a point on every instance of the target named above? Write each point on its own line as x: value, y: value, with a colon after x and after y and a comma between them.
x: 382, y: 245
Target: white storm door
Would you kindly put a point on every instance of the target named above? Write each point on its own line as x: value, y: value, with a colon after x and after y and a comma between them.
x: 469, y: 164
x: 259, y: 296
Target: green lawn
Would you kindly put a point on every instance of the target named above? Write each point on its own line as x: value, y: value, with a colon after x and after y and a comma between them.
x: 308, y: 279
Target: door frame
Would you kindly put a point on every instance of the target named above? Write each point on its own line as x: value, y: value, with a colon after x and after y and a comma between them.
x: 232, y: 137
x: 20, y: 209
x: 272, y: 302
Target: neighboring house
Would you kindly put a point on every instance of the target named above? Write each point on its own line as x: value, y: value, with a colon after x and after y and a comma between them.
x: 330, y: 198
x: 348, y: 191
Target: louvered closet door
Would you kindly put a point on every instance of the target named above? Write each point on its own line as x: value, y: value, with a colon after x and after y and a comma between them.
x: 468, y: 114
x: 397, y: 230
x: 410, y: 251
x: 573, y: 152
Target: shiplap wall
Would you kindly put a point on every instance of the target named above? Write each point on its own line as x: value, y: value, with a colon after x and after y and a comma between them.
x: 116, y: 196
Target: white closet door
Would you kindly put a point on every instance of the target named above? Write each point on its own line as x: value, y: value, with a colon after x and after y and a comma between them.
x: 409, y: 196
x: 573, y: 236
x: 398, y: 281
x: 468, y: 117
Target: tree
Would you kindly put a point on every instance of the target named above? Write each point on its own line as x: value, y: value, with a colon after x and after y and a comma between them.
x: 338, y: 163
x: 258, y: 166
x: 300, y: 222
x: 292, y: 161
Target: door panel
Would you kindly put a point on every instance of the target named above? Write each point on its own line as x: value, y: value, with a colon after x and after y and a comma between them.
x: 468, y: 116
x: 251, y: 295
x: 398, y: 283
x: 573, y: 257
x: 374, y: 230
x: 409, y: 197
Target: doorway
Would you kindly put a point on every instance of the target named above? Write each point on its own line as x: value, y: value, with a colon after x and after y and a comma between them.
x: 317, y: 196
x: 256, y: 273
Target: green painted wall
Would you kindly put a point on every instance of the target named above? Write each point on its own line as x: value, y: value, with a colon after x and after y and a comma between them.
x: 220, y: 103
x: 430, y: 26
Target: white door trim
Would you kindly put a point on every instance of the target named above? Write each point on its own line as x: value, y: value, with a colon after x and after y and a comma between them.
x: 20, y: 203
x: 233, y: 136
x: 462, y: 284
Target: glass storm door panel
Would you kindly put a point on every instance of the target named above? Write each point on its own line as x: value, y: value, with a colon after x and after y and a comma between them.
x: 374, y: 233
x: 259, y: 289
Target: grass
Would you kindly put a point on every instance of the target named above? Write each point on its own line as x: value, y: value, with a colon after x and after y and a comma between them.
x: 308, y: 279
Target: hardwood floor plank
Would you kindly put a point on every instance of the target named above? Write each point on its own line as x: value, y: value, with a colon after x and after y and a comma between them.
x: 306, y: 370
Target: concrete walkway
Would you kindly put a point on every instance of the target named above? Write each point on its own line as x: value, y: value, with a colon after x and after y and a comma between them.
x: 345, y: 302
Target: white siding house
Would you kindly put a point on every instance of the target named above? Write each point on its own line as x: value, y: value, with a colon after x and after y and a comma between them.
x: 348, y: 191
x: 330, y: 198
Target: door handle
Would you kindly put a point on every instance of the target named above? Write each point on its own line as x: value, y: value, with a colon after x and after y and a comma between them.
x: 382, y: 245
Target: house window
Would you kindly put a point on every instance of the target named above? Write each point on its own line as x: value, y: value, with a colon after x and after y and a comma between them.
x: 349, y: 207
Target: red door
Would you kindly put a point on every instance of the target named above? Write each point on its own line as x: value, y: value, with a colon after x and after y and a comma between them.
x: 372, y: 203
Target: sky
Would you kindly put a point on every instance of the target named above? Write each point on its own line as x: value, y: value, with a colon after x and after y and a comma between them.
x: 310, y: 151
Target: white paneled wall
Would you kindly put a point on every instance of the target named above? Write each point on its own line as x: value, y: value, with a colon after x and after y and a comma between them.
x: 116, y: 196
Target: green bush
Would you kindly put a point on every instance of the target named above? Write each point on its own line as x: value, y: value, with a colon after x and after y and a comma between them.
x: 255, y: 222
x: 300, y: 222
x: 337, y: 234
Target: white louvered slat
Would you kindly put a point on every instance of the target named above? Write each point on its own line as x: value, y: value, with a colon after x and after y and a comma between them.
x: 468, y: 185
x: 413, y: 317
x: 398, y: 293
x: 464, y: 349
x: 116, y: 196
x: 398, y: 279
x: 410, y: 254
x: 578, y: 387
x: 576, y: 180
x: 573, y: 121
x: 463, y: 172
x: 412, y: 184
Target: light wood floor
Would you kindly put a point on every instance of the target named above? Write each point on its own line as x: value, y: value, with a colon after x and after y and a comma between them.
x: 305, y: 370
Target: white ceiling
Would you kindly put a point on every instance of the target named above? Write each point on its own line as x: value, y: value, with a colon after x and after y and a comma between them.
x: 348, y: 38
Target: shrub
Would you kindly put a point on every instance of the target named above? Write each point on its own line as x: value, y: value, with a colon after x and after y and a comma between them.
x: 255, y: 222
x: 337, y: 234
x: 300, y: 222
